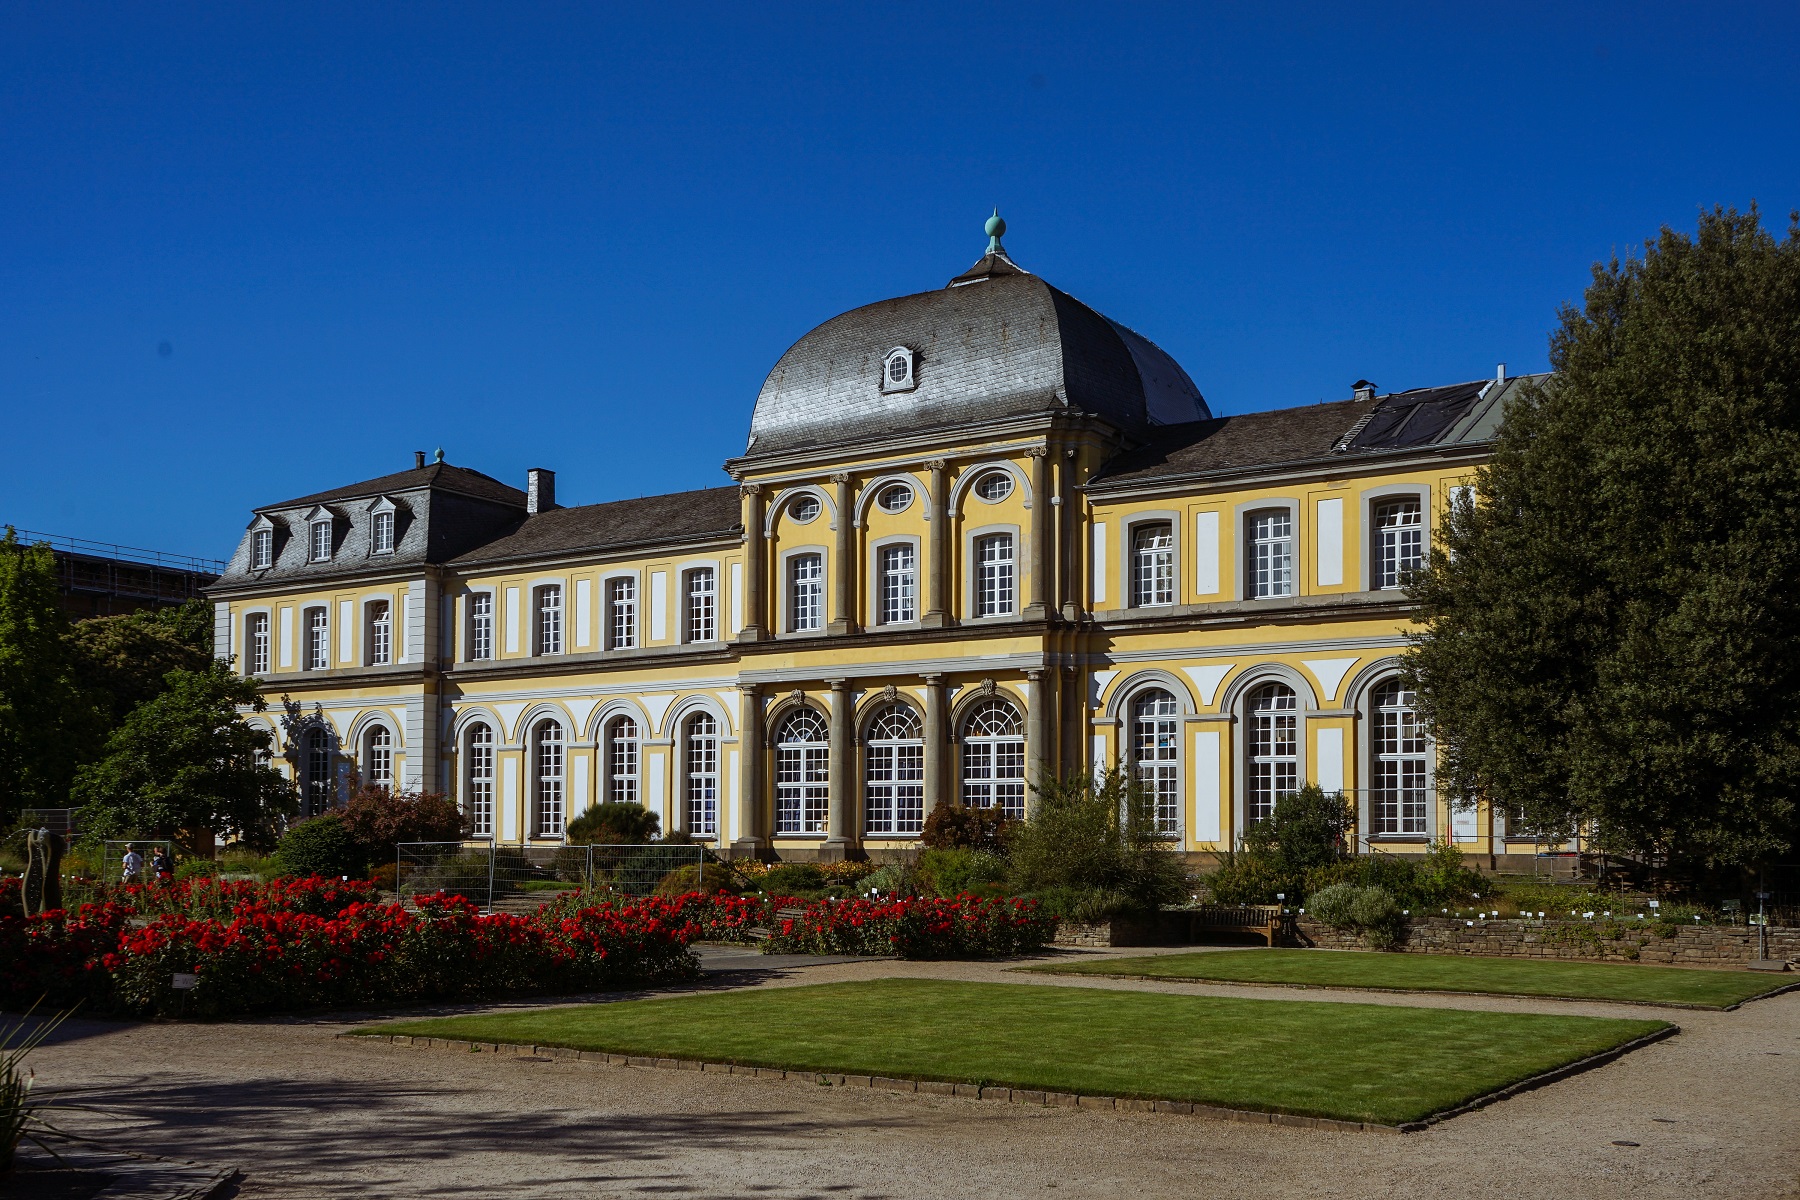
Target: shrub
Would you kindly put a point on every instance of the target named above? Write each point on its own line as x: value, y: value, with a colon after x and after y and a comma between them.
x: 1372, y: 912
x: 1442, y: 875
x: 614, y: 824
x: 1249, y: 878
x: 378, y: 820
x: 915, y: 928
x: 1096, y: 833
x: 706, y: 878
x: 949, y: 827
x: 950, y: 873
x: 1305, y: 830
x: 794, y: 878
x: 383, y: 876
x: 892, y: 879
x: 196, y: 868
x: 320, y: 846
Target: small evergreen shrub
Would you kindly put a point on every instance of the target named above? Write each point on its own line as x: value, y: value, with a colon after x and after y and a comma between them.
x: 321, y: 846
x: 196, y: 868
x: 615, y: 825
x: 1370, y: 912
x: 707, y: 878
x: 951, y: 873
x: 793, y: 879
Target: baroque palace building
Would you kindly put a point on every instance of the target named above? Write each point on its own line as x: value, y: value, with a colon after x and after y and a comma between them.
x: 977, y: 534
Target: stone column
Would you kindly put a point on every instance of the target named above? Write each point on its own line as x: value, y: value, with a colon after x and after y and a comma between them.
x: 838, y: 839
x: 936, y: 741
x: 752, y: 837
x: 843, y: 591
x: 1043, y: 524
x: 756, y: 557
x: 1070, y: 532
x: 942, y: 531
x: 1038, y: 731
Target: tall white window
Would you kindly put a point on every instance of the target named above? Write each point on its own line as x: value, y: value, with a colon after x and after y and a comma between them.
x: 321, y: 541
x: 1271, y: 553
x: 621, y: 613
x: 806, y: 592
x: 1399, y: 541
x: 262, y: 549
x: 381, y: 530
x: 702, y: 771
x: 1156, y: 752
x: 1399, y: 800
x: 1274, y: 747
x: 894, y: 784
x: 802, y: 773
x: 378, y: 758
x: 622, y: 761
x: 381, y: 633
x: 899, y: 584
x: 480, y: 804
x: 549, y: 619
x: 995, y: 589
x: 1152, y: 565
x: 318, y: 639
x: 316, y: 781
x: 702, y: 605
x: 547, y: 751
x: 481, y: 626
x: 993, y: 759
x: 257, y: 642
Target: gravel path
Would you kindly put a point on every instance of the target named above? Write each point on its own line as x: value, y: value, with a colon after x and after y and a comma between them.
x: 1716, y: 1112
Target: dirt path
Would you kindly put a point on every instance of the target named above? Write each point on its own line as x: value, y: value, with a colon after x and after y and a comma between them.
x: 1716, y: 1112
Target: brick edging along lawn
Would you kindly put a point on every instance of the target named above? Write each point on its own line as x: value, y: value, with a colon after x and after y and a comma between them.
x: 1023, y: 1096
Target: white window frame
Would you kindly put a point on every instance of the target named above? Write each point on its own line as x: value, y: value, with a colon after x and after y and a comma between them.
x: 974, y: 581
x: 315, y: 656
x: 700, y: 608
x: 1132, y: 567
x: 1372, y: 499
x: 700, y: 751
x: 481, y: 777
x: 254, y: 620
x: 381, y: 522
x: 1245, y: 557
x: 789, y: 590
x: 879, y: 607
x: 1255, y: 758
x: 549, y: 778
x: 894, y: 775
x: 478, y: 622
x: 1154, y: 738
x: 549, y: 624
x: 262, y: 546
x: 985, y: 755
x: 802, y: 776
x: 1375, y: 759
x: 376, y: 652
x: 617, y: 606
x: 316, y: 553
x: 370, y: 755
x: 622, y: 760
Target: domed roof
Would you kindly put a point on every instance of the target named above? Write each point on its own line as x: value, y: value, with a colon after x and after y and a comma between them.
x: 997, y: 342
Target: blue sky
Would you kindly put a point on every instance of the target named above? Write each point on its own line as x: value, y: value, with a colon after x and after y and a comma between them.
x: 247, y: 256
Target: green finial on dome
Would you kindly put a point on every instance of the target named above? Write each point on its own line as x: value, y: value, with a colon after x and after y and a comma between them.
x: 440, y: 454
x: 996, y: 229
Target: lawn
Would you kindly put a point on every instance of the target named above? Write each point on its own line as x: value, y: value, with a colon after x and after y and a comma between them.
x: 1354, y: 1062
x: 1442, y: 973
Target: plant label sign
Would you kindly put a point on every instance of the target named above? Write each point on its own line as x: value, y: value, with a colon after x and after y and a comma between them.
x: 181, y: 981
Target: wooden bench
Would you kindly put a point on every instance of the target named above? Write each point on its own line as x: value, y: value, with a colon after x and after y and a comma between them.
x: 1265, y: 920
x: 759, y: 933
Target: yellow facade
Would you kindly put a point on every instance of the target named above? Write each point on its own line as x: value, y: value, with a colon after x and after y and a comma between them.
x: 1103, y: 658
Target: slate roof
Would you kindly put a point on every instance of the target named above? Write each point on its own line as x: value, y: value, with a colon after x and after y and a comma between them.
x: 998, y: 342
x: 679, y: 516
x: 440, y: 476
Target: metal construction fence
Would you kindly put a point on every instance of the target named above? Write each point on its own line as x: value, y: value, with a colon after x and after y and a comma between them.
x: 507, y: 877
x: 112, y: 859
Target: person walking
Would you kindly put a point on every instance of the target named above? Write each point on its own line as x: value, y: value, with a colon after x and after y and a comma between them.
x: 162, y: 867
x: 134, y: 864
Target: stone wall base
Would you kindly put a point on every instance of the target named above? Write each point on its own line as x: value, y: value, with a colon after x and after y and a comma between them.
x: 1592, y: 941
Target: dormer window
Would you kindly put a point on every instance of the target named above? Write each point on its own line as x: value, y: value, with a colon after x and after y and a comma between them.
x: 262, y: 549
x: 383, y: 533
x: 897, y: 371
x: 321, y: 541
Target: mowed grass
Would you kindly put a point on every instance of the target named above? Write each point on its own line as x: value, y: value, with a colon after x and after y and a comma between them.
x: 1442, y: 973
x: 1354, y: 1062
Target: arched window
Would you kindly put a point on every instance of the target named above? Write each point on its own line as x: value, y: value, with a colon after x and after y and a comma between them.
x: 993, y: 758
x: 316, y: 772
x: 1274, y: 747
x: 702, y: 769
x: 802, y: 773
x: 547, y: 776
x: 1398, y: 799
x: 895, y: 780
x: 1152, y: 565
x: 378, y: 757
x: 1156, y: 754
x: 480, y: 773
x: 622, y: 761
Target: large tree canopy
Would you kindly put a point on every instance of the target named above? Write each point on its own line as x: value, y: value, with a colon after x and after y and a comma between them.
x: 1612, y: 630
x: 185, y: 764
x: 122, y: 660
x: 46, y: 723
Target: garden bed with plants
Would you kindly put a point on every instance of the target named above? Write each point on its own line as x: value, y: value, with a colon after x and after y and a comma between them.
x: 1394, y: 972
x: 1231, y: 1053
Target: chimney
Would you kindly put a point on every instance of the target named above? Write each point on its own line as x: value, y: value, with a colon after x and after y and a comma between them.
x: 540, y: 490
x: 1500, y: 373
x: 418, y: 459
x: 1364, y: 389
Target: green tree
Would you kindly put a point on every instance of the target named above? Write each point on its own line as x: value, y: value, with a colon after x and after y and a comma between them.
x: 122, y: 660
x: 47, y: 726
x: 1097, y: 835
x: 185, y: 764
x: 1610, y: 632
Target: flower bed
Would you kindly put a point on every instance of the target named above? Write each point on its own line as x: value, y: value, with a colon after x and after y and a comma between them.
x: 274, y: 951
x: 966, y: 927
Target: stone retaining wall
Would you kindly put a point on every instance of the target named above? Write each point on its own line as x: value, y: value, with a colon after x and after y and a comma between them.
x: 1606, y: 941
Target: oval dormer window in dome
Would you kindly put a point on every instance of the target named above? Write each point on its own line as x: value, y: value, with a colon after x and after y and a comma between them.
x: 995, y: 485
x: 897, y: 370
x: 895, y: 498
x: 804, y: 509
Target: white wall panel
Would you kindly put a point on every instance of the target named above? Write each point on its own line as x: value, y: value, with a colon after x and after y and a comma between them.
x: 287, y: 637
x: 737, y: 599
x: 1328, y: 765
x: 346, y: 631
x: 1208, y: 793
x: 509, y: 798
x: 1099, y: 561
x: 1206, y: 553
x: 584, y: 603
x: 659, y: 605
x: 512, y: 620
x: 1328, y: 538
